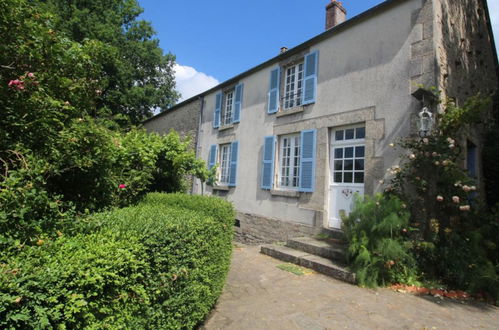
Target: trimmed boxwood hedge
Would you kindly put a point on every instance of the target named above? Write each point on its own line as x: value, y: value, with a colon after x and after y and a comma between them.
x: 161, y: 264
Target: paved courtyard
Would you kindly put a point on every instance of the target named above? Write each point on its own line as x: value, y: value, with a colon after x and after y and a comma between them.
x: 258, y: 295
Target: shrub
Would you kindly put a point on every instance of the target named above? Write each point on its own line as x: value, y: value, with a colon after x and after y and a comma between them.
x: 91, y: 280
x: 155, y: 265
x: 376, y: 252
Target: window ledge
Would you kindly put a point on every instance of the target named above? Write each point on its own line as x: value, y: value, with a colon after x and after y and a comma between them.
x: 290, y: 111
x: 225, y: 127
x: 285, y: 193
x: 223, y: 188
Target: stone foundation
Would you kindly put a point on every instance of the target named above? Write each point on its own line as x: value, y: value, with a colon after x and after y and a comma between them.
x: 254, y: 229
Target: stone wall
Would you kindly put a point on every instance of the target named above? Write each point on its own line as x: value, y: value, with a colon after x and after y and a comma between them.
x: 466, y: 63
x: 254, y: 229
x: 466, y: 60
x: 183, y: 118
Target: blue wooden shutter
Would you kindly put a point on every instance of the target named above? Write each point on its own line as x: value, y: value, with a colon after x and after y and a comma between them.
x: 307, y: 160
x: 238, y: 103
x: 212, y: 158
x: 234, y: 150
x: 218, y: 110
x: 275, y: 76
x: 268, y: 162
x: 310, y: 78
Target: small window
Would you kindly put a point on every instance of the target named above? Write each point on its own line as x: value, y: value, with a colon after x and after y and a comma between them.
x: 289, y: 161
x: 293, y: 88
x: 228, y: 108
x: 358, y: 133
x: 224, y: 163
x: 471, y: 160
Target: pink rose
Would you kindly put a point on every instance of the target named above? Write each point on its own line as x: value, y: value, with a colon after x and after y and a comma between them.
x: 440, y: 198
x: 31, y: 75
x: 455, y: 199
x: 122, y: 186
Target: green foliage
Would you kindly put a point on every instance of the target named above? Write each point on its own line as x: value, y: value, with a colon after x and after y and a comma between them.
x: 154, y: 265
x: 28, y: 210
x: 135, y: 76
x: 93, y: 280
x: 455, y: 238
x: 376, y: 252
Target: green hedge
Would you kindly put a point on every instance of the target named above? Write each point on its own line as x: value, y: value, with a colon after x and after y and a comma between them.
x: 160, y: 264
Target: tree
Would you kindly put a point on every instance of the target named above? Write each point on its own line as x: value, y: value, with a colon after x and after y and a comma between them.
x: 136, y: 76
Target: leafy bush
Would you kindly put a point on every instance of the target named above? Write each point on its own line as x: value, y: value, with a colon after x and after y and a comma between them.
x: 93, y: 280
x: 376, y: 252
x: 155, y: 265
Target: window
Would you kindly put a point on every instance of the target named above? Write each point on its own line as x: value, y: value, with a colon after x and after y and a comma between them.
x: 299, y: 85
x: 227, y: 110
x: 294, y: 86
x: 295, y: 168
x: 349, y: 155
x: 228, y: 106
x: 225, y: 156
x: 289, y: 161
x: 224, y: 163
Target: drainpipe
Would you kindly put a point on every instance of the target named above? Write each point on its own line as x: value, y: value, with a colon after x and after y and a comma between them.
x: 198, y: 136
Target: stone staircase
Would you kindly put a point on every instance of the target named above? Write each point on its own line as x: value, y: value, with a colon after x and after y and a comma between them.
x: 326, y: 256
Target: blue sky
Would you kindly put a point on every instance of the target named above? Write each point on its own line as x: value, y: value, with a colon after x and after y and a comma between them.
x: 216, y: 40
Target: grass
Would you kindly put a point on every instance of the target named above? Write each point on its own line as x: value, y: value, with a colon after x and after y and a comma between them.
x: 297, y: 270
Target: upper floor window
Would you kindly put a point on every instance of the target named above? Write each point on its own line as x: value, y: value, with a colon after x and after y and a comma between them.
x: 227, y: 110
x: 294, y: 86
x: 228, y: 106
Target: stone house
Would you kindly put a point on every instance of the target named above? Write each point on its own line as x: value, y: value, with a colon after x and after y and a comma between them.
x: 297, y: 136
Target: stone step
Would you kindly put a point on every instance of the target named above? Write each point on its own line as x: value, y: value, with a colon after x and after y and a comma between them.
x: 319, y: 264
x: 329, y: 248
x: 334, y: 233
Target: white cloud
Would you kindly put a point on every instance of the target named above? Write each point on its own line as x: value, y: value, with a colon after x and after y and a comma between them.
x: 190, y: 82
x: 494, y: 18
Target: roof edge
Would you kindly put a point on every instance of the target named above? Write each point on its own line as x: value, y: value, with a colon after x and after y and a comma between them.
x: 324, y: 35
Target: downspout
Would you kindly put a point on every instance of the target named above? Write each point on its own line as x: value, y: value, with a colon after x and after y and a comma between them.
x: 198, y: 136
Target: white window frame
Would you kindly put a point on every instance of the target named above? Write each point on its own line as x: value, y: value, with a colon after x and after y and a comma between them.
x: 224, y: 161
x: 228, y: 106
x: 293, y: 85
x: 346, y: 143
x: 289, y: 161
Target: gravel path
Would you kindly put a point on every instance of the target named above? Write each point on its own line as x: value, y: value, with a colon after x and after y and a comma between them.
x: 258, y: 295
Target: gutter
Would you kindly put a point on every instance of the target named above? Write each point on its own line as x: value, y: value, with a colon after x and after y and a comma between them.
x: 324, y: 35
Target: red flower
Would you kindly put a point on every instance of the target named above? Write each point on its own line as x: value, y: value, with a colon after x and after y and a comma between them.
x: 122, y: 186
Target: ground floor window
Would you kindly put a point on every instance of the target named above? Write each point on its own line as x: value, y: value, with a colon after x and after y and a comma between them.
x: 224, y: 163
x: 289, y: 161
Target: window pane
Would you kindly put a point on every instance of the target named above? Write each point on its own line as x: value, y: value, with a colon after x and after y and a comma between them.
x: 348, y: 177
x: 349, y: 152
x: 339, y: 135
x: 359, y: 164
x: 359, y: 152
x: 338, y: 165
x: 349, y: 134
x: 338, y: 153
x: 348, y: 165
x: 359, y: 177
x: 337, y: 177
x: 360, y: 133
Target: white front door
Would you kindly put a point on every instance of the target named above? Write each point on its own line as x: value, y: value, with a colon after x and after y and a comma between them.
x: 347, y: 161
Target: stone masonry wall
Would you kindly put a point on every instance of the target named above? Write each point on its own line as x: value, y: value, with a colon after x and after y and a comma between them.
x: 466, y: 62
x: 184, y: 119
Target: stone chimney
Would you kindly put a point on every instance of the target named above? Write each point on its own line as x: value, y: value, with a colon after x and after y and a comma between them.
x: 335, y: 14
